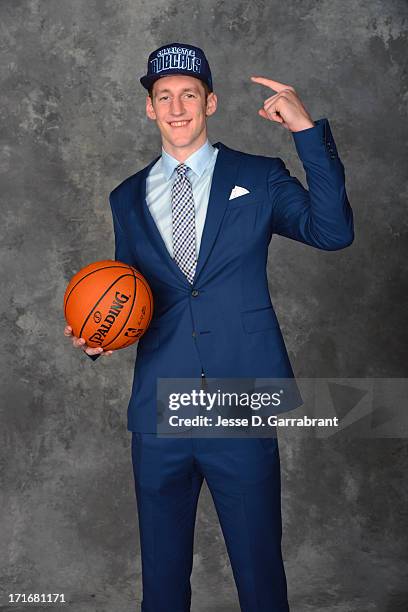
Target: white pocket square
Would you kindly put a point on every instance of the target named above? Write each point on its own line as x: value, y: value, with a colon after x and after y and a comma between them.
x: 238, y: 191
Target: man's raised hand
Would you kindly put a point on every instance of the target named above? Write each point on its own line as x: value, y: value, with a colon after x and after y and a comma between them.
x: 284, y: 107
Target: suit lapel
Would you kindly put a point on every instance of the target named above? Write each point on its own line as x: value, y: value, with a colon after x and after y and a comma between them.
x: 153, y: 231
x: 223, y: 181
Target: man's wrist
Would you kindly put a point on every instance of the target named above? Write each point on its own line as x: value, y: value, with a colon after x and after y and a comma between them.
x: 306, y: 126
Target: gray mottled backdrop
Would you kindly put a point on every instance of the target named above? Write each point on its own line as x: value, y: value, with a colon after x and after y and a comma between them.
x: 73, y: 127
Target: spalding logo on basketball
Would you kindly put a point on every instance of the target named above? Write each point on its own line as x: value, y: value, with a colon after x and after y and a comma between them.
x: 108, y: 303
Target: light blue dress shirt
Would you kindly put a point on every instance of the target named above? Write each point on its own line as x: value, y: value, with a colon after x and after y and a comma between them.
x: 159, y: 184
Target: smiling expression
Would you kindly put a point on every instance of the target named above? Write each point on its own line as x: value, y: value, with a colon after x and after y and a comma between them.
x: 180, y: 112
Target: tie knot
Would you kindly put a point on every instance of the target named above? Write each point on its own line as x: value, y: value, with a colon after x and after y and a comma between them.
x: 182, y: 169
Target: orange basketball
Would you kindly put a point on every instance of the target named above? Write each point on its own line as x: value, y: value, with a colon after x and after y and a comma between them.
x: 108, y: 303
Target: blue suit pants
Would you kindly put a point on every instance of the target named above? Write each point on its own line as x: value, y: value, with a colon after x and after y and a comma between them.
x: 243, y: 477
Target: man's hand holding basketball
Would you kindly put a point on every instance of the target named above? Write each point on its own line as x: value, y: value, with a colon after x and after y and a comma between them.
x: 81, y: 343
x: 284, y: 107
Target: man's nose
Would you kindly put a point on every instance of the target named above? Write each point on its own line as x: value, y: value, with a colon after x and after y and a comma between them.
x: 177, y: 106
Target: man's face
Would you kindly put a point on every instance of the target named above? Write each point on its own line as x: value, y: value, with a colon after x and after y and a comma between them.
x: 180, y: 111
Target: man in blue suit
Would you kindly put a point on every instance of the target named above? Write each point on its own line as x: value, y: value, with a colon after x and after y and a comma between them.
x: 197, y: 222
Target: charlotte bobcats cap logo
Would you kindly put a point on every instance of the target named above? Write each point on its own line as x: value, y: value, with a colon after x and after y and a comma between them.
x: 177, y: 58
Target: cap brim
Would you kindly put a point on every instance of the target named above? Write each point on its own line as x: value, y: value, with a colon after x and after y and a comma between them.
x: 148, y: 80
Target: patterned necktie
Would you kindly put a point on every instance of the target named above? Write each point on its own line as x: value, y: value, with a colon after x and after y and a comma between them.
x: 183, y: 215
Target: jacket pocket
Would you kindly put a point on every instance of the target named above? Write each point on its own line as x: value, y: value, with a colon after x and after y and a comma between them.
x: 259, y: 320
x: 150, y: 339
x: 247, y: 199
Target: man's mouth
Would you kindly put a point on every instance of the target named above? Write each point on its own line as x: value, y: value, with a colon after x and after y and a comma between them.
x: 176, y: 124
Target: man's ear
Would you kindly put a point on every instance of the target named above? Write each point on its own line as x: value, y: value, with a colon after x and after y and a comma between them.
x: 211, y: 104
x: 150, y: 112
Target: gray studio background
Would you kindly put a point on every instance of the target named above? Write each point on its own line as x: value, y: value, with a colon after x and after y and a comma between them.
x: 73, y: 127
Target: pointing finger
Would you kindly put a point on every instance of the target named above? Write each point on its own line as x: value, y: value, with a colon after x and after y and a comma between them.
x: 275, y: 85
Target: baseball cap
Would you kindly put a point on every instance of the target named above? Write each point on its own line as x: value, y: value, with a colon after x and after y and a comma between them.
x: 177, y: 58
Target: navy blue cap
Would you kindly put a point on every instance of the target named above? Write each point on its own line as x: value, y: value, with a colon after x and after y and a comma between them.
x: 177, y: 58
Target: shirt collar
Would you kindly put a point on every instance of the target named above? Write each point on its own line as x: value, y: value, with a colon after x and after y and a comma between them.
x: 197, y: 161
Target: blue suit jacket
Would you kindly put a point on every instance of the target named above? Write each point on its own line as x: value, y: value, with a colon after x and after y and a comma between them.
x: 224, y: 324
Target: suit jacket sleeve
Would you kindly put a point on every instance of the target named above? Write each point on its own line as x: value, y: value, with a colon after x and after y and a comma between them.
x: 320, y: 216
x: 122, y: 251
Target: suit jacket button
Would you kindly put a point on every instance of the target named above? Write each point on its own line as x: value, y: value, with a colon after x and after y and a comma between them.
x: 194, y: 293
x: 194, y: 334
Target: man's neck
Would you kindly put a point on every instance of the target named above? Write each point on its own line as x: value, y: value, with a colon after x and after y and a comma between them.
x: 183, y: 153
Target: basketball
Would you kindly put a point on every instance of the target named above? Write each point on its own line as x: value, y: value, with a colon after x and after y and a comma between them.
x: 109, y: 304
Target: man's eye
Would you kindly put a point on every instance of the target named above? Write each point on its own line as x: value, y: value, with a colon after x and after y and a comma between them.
x: 165, y: 97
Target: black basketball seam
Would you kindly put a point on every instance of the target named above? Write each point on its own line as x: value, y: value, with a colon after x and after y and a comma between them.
x: 127, y: 318
x: 101, y: 298
x: 86, y: 276
x: 149, y: 293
